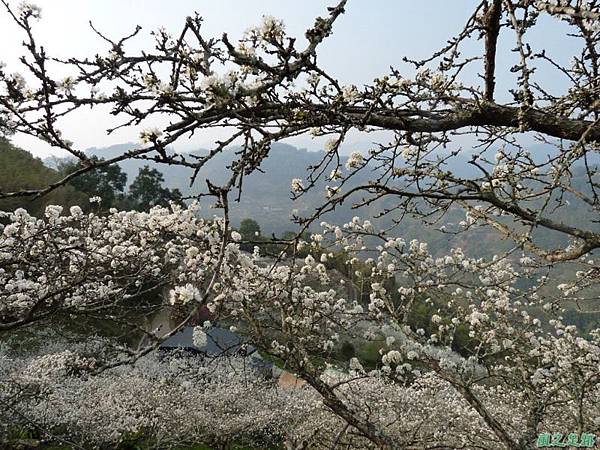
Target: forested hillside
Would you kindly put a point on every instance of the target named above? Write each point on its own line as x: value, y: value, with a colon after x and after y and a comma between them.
x: 20, y: 170
x: 267, y: 197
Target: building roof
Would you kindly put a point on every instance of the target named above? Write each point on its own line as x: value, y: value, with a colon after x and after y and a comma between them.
x: 219, y: 342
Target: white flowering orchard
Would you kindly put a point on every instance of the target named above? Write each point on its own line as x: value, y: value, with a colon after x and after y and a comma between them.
x: 400, y: 345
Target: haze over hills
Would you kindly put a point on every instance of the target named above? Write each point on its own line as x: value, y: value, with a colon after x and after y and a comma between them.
x: 266, y: 196
x: 267, y: 199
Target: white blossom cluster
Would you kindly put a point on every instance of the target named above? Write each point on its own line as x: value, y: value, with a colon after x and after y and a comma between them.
x: 354, y: 161
x: 269, y: 31
x: 530, y: 359
x: 27, y: 9
x: 175, y: 399
x: 297, y: 186
x: 75, y: 262
x: 292, y: 311
x: 495, y: 361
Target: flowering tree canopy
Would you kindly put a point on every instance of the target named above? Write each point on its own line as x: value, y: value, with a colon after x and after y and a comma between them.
x: 524, y: 369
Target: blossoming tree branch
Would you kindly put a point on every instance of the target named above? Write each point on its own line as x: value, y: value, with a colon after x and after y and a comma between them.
x: 524, y: 370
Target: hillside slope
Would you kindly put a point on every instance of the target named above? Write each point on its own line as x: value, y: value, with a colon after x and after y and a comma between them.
x: 19, y: 170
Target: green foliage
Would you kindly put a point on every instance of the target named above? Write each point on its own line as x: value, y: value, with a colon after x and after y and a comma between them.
x: 147, y: 191
x: 347, y: 351
x: 249, y: 229
x: 585, y: 321
x: 251, y: 233
x: 19, y: 170
x: 107, y: 182
x: 369, y: 355
x: 20, y: 438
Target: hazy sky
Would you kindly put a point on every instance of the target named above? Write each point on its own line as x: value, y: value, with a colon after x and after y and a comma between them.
x: 369, y: 38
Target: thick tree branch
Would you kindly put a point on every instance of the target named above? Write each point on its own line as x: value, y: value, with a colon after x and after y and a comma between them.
x: 492, y: 17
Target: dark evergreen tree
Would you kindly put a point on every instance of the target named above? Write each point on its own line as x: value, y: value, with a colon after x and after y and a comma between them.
x: 107, y: 182
x: 147, y: 191
x: 249, y: 229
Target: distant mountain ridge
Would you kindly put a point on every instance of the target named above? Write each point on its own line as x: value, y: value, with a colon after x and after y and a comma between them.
x: 266, y: 198
x: 266, y: 195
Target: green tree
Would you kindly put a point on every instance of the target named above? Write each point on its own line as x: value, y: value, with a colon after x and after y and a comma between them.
x: 147, y: 191
x: 19, y: 170
x: 249, y: 229
x: 106, y: 182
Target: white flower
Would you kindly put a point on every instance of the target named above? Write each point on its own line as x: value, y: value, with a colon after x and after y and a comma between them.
x: 211, y: 82
x: 246, y: 50
x: 149, y: 135
x: 66, y: 85
x: 392, y: 357
x: 76, y: 211
x: 297, y: 185
x: 192, y: 252
x: 409, y: 152
x: 29, y: 9
x: 199, y: 337
x: 355, y: 365
x: 53, y: 211
x: 335, y: 174
x: 331, y: 190
x: 271, y: 28
x: 95, y: 199
x: 338, y: 233
x: 309, y: 260
x: 349, y: 93
x: 163, y: 89
x: 476, y: 317
x: 358, y: 309
x: 18, y: 81
x: 236, y: 236
x: 330, y: 145
x: 150, y: 81
x: 184, y: 294
x: 355, y: 160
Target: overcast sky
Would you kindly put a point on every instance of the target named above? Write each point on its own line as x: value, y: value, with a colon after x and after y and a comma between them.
x: 369, y: 38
